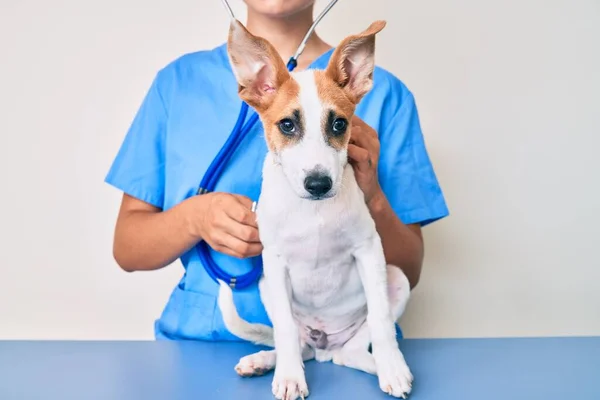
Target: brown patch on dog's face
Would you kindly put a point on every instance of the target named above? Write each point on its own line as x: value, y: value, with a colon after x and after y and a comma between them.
x: 283, y: 119
x: 338, y: 109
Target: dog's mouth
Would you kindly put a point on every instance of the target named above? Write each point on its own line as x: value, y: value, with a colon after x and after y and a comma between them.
x: 311, y: 197
x: 318, y: 198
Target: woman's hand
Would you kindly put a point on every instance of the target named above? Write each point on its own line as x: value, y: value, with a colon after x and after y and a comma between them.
x: 363, y: 152
x: 227, y: 223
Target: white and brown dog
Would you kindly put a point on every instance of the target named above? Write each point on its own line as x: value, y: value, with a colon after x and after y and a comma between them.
x: 326, y: 286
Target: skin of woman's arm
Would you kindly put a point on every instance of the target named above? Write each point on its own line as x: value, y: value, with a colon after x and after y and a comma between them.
x: 147, y: 238
x: 402, y: 244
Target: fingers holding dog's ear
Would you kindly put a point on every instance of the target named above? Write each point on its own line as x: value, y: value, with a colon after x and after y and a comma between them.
x: 362, y: 127
x: 358, y: 156
x: 365, y: 137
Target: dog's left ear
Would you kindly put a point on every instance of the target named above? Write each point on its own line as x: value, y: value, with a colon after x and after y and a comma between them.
x: 353, y: 61
x: 258, y: 68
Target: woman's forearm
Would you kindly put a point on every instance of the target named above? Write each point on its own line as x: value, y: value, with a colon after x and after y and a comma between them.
x: 402, y: 244
x: 149, y: 239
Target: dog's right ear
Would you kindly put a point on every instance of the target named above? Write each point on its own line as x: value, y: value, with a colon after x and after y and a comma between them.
x: 352, y: 63
x: 258, y: 68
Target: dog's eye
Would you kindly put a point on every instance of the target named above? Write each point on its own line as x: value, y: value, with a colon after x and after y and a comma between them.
x: 287, y: 127
x: 339, y: 126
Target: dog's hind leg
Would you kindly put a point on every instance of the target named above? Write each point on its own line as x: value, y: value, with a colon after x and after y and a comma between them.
x: 398, y: 291
x: 264, y: 361
x: 256, y: 364
x: 355, y: 353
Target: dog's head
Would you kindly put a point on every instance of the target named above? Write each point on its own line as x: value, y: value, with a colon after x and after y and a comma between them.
x: 307, y: 114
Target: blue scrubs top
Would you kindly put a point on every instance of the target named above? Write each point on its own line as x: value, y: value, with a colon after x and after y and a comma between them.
x: 184, y: 120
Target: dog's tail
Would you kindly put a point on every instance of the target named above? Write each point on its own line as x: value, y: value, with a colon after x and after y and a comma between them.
x: 257, y: 333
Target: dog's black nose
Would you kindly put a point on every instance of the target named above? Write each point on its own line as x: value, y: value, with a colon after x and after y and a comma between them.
x: 318, y: 184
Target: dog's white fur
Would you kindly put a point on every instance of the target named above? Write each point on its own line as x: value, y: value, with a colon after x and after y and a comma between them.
x: 324, y: 265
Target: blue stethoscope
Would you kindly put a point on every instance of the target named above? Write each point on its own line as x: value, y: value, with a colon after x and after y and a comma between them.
x: 215, y: 169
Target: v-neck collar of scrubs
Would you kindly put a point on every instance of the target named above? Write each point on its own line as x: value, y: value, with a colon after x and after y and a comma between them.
x: 319, y: 62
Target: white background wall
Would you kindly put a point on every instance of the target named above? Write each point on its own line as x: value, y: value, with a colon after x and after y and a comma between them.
x: 509, y: 95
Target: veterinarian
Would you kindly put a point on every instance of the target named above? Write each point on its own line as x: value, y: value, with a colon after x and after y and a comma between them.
x: 183, y: 121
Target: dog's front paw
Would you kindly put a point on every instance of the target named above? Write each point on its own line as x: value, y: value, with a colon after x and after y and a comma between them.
x: 394, y: 375
x: 289, y: 383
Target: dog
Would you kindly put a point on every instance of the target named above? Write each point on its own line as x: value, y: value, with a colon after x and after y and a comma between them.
x: 325, y: 286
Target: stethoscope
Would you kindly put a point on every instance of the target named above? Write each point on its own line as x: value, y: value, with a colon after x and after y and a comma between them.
x: 215, y: 169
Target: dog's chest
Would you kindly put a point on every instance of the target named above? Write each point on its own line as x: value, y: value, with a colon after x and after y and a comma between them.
x: 317, y: 240
x: 311, y: 235
x: 309, y: 239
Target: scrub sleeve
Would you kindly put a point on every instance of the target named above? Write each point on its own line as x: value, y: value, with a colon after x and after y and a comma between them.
x: 139, y: 167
